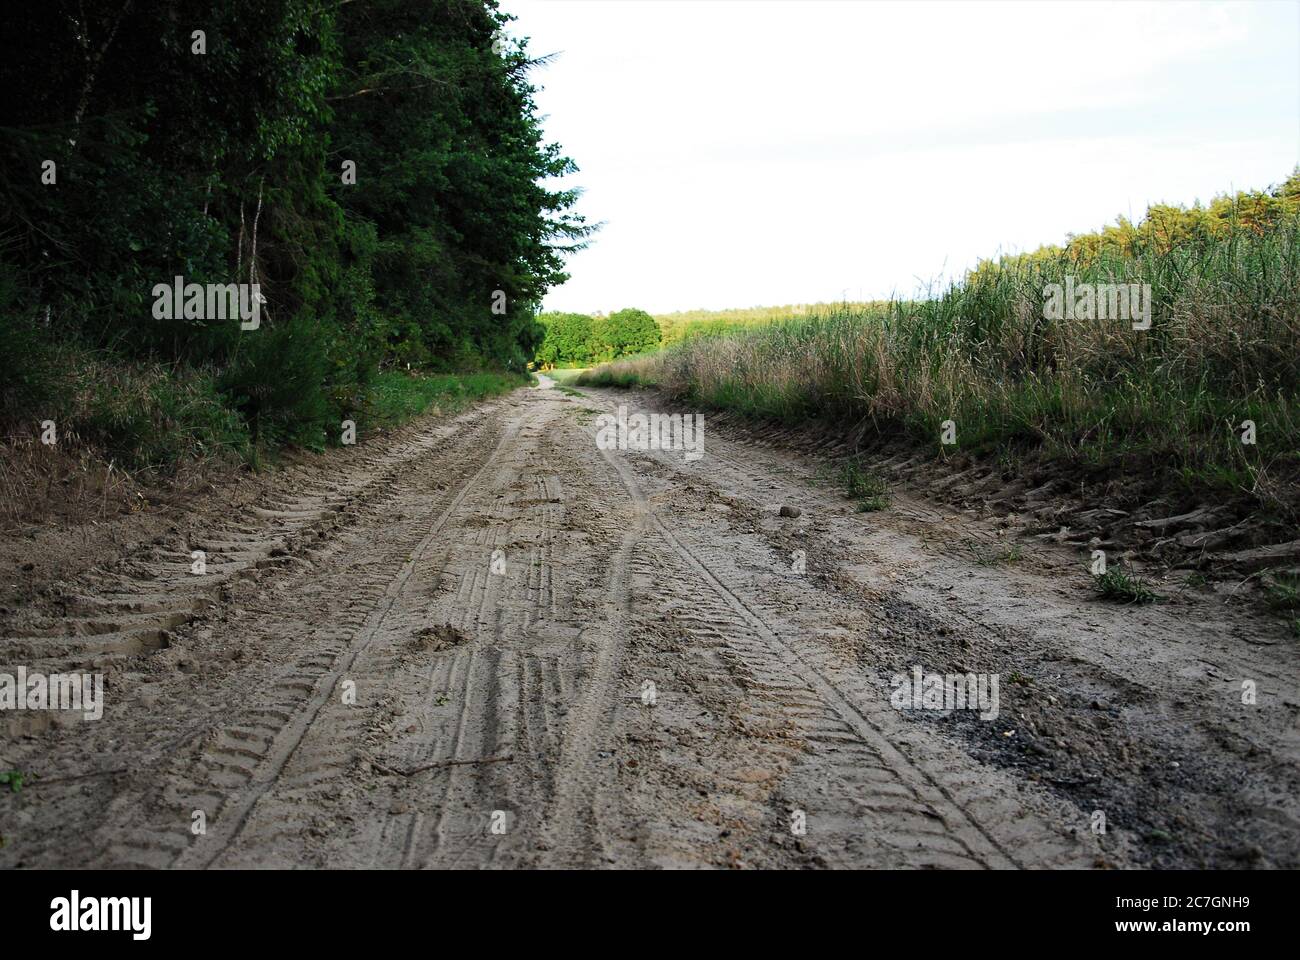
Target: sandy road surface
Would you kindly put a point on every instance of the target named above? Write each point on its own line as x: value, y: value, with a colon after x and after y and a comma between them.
x: 435, y: 655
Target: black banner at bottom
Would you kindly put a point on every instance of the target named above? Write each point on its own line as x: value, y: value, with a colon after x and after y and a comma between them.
x: 303, y: 908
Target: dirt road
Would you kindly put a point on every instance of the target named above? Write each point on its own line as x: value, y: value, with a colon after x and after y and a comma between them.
x: 485, y: 642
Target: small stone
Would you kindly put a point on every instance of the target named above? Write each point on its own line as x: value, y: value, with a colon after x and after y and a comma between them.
x: 789, y: 511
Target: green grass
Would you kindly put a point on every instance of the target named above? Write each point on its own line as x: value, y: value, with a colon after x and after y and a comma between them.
x: 152, y: 417
x: 1121, y: 587
x: 637, y: 371
x: 565, y: 375
x: 612, y: 378
x: 1092, y: 396
x: 866, y: 487
x: 147, y: 416
x: 396, y: 396
x: 139, y: 415
x: 1284, y: 592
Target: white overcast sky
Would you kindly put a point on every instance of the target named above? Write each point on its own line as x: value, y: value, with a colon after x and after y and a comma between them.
x: 753, y: 152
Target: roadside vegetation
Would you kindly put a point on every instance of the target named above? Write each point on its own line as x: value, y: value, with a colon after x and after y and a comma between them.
x: 1169, y: 403
x: 1122, y: 587
x: 866, y: 487
x: 687, y: 324
x: 397, y: 396
x: 580, y: 340
x: 565, y: 375
x: 376, y: 169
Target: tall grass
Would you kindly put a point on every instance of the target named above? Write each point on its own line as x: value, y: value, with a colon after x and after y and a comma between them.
x: 1224, y: 347
x: 396, y: 397
x: 150, y: 416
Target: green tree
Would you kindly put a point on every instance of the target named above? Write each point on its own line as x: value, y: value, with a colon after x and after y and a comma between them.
x: 222, y: 158
x: 449, y: 156
x: 624, y: 333
x: 568, y: 339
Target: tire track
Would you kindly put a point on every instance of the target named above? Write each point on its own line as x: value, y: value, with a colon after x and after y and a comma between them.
x: 858, y: 740
x: 231, y: 775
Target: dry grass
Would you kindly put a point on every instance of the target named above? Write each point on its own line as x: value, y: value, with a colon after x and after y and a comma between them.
x: 1224, y: 347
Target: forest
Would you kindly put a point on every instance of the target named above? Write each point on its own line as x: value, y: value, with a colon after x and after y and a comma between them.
x: 373, y: 175
x: 577, y: 339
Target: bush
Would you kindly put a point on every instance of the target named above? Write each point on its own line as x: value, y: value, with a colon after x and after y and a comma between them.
x: 624, y: 333
x: 152, y: 417
x: 276, y: 381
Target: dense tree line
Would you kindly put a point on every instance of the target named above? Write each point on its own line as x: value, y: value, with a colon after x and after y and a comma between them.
x: 1168, y: 226
x: 687, y: 324
x: 377, y: 168
x: 576, y: 339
